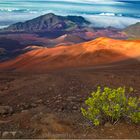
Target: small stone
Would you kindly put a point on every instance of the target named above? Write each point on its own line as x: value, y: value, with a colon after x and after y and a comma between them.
x: 58, y: 101
x: 59, y: 110
x: 112, y: 76
x: 18, y: 134
x: 74, y: 108
x: 59, y: 97
x: 102, y: 129
x: 13, y: 133
x: 33, y: 105
x: 40, y: 113
x: 7, y: 135
x: 47, y: 101
x: 120, y: 133
x: 71, y: 88
x: 50, y: 88
x: 24, y: 111
x: 24, y: 106
x: 71, y: 98
x: 39, y: 101
x: 111, y: 137
x: 6, y: 110
x: 108, y: 124
x: 6, y: 88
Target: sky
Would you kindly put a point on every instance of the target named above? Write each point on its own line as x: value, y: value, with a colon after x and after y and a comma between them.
x: 102, y: 13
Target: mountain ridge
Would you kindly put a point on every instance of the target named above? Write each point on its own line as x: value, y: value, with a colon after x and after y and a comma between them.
x: 92, y: 53
x: 133, y: 30
x: 49, y: 22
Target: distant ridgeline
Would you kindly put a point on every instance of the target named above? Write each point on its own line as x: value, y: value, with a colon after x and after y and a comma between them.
x: 57, y: 24
x: 49, y: 22
x: 133, y: 30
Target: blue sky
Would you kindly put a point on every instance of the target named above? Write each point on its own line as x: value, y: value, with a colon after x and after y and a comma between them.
x: 116, y: 13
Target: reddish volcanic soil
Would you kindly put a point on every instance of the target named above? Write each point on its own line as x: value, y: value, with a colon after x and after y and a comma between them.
x: 47, y: 104
x: 92, y: 53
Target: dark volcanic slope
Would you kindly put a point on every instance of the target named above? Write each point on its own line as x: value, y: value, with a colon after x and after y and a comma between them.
x: 49, y: 22
x: 9, y: 48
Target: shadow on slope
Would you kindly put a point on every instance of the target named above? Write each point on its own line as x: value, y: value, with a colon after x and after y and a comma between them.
x: 97, y: 52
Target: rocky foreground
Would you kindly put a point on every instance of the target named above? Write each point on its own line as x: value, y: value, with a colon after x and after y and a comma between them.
x: 48, y: 105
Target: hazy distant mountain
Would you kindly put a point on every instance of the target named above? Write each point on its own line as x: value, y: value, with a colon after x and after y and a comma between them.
x: 49, y: 22
x: 133, y: 30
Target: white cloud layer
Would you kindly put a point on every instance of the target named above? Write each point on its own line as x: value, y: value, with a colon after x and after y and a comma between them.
x: 111, y: 21
x: 102, y: 13
x: 92, y: 1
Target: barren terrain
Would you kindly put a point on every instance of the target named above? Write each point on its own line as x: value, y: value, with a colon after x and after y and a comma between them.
x: 51, y: 64
x: 96, y: 52
x: 47, y: 105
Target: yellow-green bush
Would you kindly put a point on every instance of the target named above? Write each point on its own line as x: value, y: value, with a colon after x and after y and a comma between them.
x: 111, y: 105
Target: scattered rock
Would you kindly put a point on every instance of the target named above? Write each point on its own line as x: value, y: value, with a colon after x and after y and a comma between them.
x: 60, y: 109
x: 47, y: 101
x: 112, y: 76
x: 40, y: 101
x: 102, y: 129
x: 7, y: 134
x: 33, y: 105
x: 5, y: 88
x: 11, y: 134
x: 24, y: 111
x: 111, y: 137
x: 18, y: 134
x: 23, y: 106
x: 74, y: 108
x: 50, y: 88
x: 71, y: 98
x: 58, y: 101
x: 59, y: 97
x: 108, y: 124
x: 6, y: 110
x: 137, y: 132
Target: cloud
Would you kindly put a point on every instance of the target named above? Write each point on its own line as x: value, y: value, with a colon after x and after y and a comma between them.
x: 102, y: 13
x: 111, y: 21
x: 92, y: 1
x: 100, y: 1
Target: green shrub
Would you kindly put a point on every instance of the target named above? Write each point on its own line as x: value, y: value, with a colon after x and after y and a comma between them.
x: 111, y: 105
